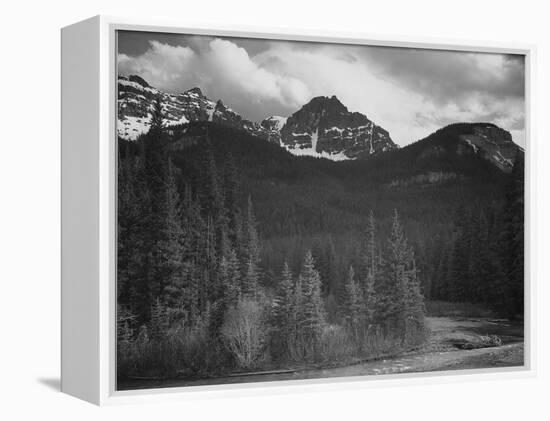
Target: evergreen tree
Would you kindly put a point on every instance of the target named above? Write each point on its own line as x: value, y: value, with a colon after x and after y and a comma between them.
x: 354, y: 307
x: 208, y: 264
x: 250, y: 251
x: 250, y: 280
x: 252, y: 245
x: 283, y: 300
x: 414, y: 300
x: 369, y: 254
x: 229, y: 278
x: 402, y: 297
x: 312, y: 315
x: 370, y: 299
x: 370, y: 273
x: 325, y: 261
x: 283, y: 307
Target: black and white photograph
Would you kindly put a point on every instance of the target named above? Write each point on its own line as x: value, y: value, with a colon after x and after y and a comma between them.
x: 292, y: 210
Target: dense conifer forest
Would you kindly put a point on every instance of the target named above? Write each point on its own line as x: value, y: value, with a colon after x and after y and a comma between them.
x: 234, y: 255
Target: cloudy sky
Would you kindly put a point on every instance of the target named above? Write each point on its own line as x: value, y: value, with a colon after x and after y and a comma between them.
x: 409, y: 92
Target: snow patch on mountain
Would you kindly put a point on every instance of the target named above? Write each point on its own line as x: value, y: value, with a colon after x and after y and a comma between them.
x: 278, y: 121
x: 312, y: 151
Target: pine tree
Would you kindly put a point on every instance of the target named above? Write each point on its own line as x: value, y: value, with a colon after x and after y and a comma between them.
x: 250, y: 280
x: 369, y: 255
x: 283, y: 306
x: 252, y: 246
x: 208, y: 264
x: 312, y: 315
x: 324, y: 255
x: 296, y: 343
x: 283, y: 299
x: 211, y: 198
x: 354, y: 306
x: 414, y: 300
x: 371, y: 301
x: 250, y: 254
x: 157, y: 117
x: 403, y: 300
x: 229, y: 278
x: 370, y: 272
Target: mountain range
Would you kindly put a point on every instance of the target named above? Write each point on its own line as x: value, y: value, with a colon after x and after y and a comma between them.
x: 322, y: 128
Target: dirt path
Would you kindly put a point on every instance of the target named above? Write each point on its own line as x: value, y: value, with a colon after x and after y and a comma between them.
x: 438, y: 355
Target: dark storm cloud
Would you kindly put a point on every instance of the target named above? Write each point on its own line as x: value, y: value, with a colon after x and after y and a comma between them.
x: 446, y: 76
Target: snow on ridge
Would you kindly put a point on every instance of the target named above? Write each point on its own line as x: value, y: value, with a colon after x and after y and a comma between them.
x: 131, y: 127
x: 340, y: 156
x: 137, y: 86
x: 279, y: 121
x: 312, y: 151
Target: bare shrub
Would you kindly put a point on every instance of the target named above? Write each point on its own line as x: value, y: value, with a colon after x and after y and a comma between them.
x: 243, y: 332
x: 336, y: 344
x: 184, y: 350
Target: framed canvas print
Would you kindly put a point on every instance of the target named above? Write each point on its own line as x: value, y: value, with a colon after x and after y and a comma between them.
x: 246, y: 208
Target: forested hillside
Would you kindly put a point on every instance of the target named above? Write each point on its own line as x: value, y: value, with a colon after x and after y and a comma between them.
x: 234, y: 254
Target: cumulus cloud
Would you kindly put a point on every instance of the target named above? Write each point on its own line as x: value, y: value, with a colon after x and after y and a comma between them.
x: 409, y: 92
x: 222, y: 70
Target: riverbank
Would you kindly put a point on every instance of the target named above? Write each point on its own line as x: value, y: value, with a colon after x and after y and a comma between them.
x: 444, y: 351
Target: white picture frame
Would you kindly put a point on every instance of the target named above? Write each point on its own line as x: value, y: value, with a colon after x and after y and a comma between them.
x: 89, y: 212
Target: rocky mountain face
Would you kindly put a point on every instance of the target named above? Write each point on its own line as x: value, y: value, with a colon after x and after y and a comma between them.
x: 135, y: 101
x: 461, y: 145
x: 324, y: 127
x: 492, y: 143
x: 273, y: 126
